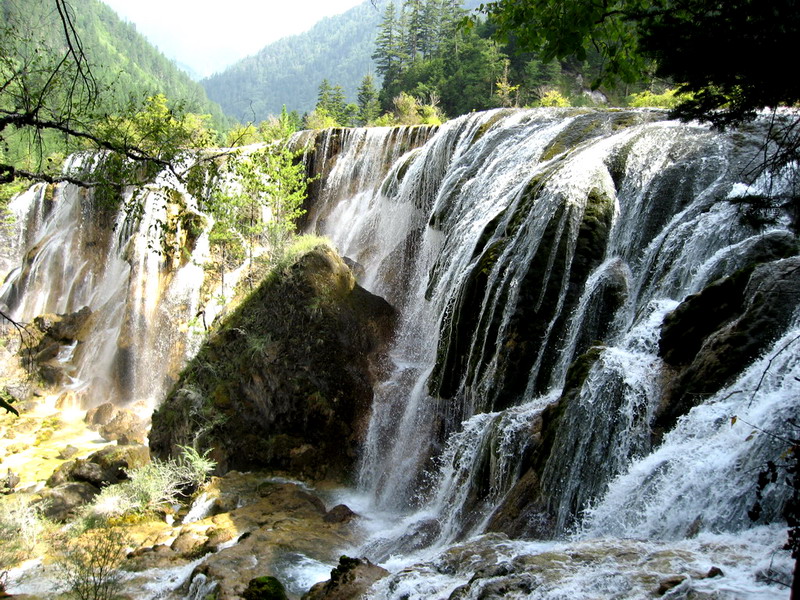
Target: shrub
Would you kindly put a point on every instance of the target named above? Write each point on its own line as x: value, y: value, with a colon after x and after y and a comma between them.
x: 90, y: 565
x: 22, y: 526
x: 553, y: 98
x: 667, y: 99
x: 153, y: 485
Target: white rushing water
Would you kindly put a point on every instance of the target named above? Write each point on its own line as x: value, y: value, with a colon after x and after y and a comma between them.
x: 436, y: 466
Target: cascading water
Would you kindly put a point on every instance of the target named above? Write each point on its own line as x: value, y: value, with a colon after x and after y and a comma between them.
x: 516, y: 244
x: 539, y: 260
x: 141, y: 294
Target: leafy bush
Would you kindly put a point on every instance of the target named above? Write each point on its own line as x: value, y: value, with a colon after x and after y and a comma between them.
x: 22, y: 526
x: 667, y: 99
x: 553, y: 98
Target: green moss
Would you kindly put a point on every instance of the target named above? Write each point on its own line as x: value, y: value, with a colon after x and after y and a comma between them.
x: 221, y: 397
x: 481, y: 131
x: 581, y: 129
x: 264, y: 588
x: 578, y: 371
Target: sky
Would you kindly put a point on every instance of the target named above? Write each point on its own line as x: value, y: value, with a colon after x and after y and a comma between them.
x: 208, y: 35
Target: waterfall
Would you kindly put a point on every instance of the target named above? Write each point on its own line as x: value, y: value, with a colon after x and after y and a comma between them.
x: 591, y: 344
x: 535, y: 256
x: 139, y: 286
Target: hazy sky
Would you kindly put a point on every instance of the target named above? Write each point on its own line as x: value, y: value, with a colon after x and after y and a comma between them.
x: 208, y: 35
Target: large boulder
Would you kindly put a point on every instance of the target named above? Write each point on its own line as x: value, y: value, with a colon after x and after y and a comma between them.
x: 286, y: 381
x: 62, y: 503
x: 104, y: 467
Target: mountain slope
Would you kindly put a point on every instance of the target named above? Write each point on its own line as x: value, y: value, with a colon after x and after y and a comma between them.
x: 290, y: 70
x: 120, y: 57
x: 137, y: 67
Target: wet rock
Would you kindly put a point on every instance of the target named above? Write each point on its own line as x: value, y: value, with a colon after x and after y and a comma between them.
x: 711, y: 346
x: 350, y: 579
x: 339, y: 514
x: 126, y: 427
x: 9, y: 482
x: 119, y: 459
x: 522, y: 512
x: 264, y: 588
x: 89, y: 472
x: 419, y: 535
x: 62, y: 503
x: 274, y: 523
x: 65, y: 328
x: 668, y: 583
x: 189, y: 543
x: 105, y: 467
x: 68, y: 452
x: 714, y: 572
x: 100, y: 415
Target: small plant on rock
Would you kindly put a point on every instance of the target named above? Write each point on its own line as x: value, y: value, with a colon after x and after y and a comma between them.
x: 153, y: 485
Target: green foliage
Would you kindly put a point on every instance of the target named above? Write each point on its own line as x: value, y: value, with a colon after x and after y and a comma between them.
x: 409, y: 111
x: 667, y: 99
x: 90, y: 566
x: 153, y: 485
x: 553, y: 98
x: 63, y: 70
x: 320, y: 119
x: 243, y: 135
x: 369, y: 107
x: 716, y: 51
x: 558, y: 29
x: 255, y: 203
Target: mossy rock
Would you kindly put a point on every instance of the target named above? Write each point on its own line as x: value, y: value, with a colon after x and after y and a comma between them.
x: 759, y: 312
x: 286, y: 381
x: 264, y: 588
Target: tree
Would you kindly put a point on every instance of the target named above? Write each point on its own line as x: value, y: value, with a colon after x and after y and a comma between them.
x: 719, y: 51
x: 388, y: 55
x: 722, y: 54
x: 50, y: 97
x: 331, y: 102
x: 48, y: 93
x: 369, y: 108
x: 260, y: 207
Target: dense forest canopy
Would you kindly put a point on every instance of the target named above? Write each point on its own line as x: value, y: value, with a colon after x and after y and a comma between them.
x: 724, y: 53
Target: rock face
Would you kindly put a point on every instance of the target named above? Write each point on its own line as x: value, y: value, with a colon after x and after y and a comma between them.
x: 55, y: 333
x: 713, y: 335
x: 286, y: 381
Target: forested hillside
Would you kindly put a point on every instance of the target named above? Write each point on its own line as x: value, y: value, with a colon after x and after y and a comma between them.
x: 136, y: 67
x: 289, y: 71
x: 59, y: 95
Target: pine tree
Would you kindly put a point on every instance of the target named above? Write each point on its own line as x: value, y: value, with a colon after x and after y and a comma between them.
x: 369, y: 108
x: 431, y: 34
x: 387, y: 46
x: 412, y: 25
